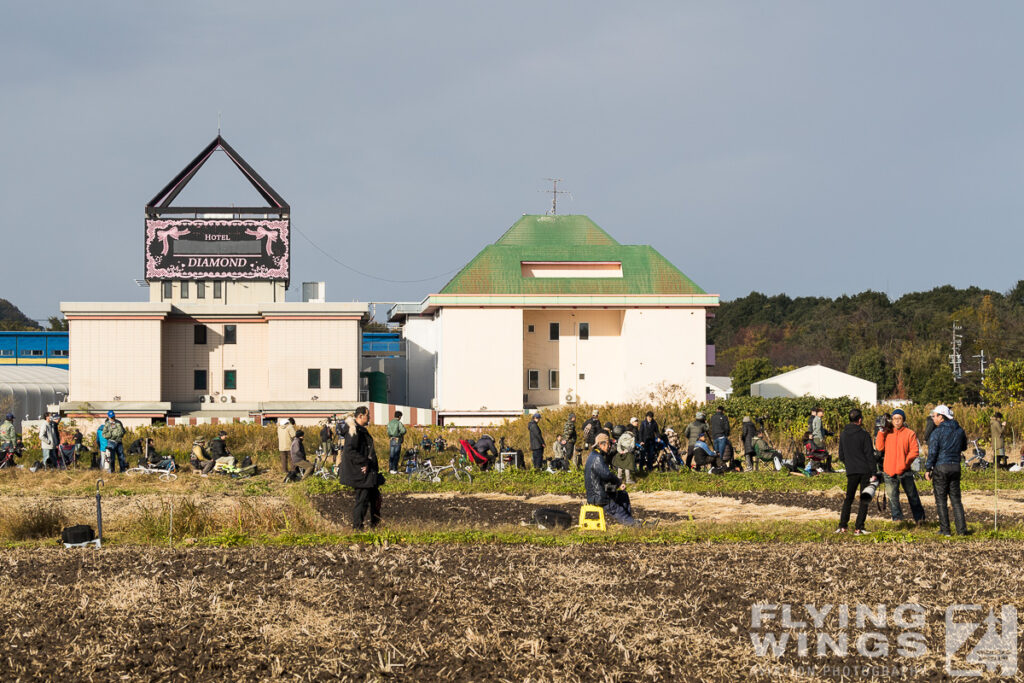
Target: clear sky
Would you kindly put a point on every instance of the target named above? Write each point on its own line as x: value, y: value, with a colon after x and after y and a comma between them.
x: 801, y: 147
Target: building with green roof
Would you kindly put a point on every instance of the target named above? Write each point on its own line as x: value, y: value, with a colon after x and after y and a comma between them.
x: 556, y: 311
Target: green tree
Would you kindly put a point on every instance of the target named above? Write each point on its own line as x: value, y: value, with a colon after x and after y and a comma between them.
x: 1004, y: 382
x: 748, y: 371
x: 57, y: 324
x: 870, y: 364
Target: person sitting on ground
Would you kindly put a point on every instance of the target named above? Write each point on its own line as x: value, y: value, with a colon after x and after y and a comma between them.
x: 158, y: 461
x: 200, y: 459
x: 485, y: 447
x: 704, y: 454
x: 604, y: 488
x: 299, y: 462
x: 219, y: 451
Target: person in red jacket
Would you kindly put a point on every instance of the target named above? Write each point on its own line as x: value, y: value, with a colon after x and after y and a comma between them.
x: 899, y: 445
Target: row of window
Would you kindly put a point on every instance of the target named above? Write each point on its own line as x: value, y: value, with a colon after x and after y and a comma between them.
x: 199, y: 379
x: 59, y: 353
x: 230, y: 334
x: 533, y: 379
x: 554, y: 331
x: 185, y: 287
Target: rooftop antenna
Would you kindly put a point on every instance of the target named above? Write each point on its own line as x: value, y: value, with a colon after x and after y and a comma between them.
x: 554, y: 194
x: 218, y: 124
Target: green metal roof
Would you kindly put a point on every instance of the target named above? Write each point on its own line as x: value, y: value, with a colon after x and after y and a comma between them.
x: 498, y: 270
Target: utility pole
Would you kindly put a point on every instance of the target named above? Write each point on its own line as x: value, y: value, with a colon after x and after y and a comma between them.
x: 554, y: 194
x: 955, y: 359
x: 981, y: 358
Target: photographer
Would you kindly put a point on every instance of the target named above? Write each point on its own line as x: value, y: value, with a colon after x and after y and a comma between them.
x: 604, y: 488
x: 945, y: 447
x: 819, y: 434
x: 747, y: 436
x: 856, y: 453
x: 898, y: 445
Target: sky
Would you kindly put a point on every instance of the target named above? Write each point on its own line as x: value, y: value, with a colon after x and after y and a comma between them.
x: 806, y: 148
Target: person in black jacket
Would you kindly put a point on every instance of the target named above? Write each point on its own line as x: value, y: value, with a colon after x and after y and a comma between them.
x: 536, y: 442
x: 590, y: 430
x: 747, y: 435
x: 858, y: 453
x: 720, y: 429
x: 649, y: 433
x: 359, y: 469
x: 598, y: 478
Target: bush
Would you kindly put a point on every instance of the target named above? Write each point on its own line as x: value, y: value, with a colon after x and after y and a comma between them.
x: 39, y: 521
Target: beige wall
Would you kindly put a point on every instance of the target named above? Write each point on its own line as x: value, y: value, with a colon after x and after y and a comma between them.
x: 294, y: 346
x: 480, y: 356
x: 182, y: 356
x: 256, y: 292
x: 664, y: 346
x: 114, y: 357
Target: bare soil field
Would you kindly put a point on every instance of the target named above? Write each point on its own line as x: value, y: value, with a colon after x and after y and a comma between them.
x: 623, y: 612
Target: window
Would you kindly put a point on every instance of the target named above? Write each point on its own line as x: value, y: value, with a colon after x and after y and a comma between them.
x: 6, y: 352
x: 313, y: 378
x: 230, y: 334
x: 199, y: 334
x: 184, y: 290
x: 199, y: 380
x: 584, y: 331
x: 553, y: 331
x: 200, y: 290
x: 217, y: 290
x: 583, y: 376
x: 533, y: 379
x: 62, y: 353
x: 230, y: 379
x: 334, y: 378
x: 552, y: 379
x: 529, y: 328
x: 32, y: 352
x: 168, y: 289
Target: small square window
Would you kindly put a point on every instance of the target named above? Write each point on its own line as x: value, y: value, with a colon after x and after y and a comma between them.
x: 63, y: 353
x: 553, y: 331
x: 584, y: 331
x: 230, y: 334
x: 199, y: 334
x: 334, y: 378
x: 230, y: 379
x: 184, y: 290
x: 552, y: 379
x: 583, y: 376
x: 200, y: 290
x: 168, y: 288
x: 217, y: 287
x: 313, y: 378
x: 199, y: 380
x: 533, y: 379
x: 529, y: 328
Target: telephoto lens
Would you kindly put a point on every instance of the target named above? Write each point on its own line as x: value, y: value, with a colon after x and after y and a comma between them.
x: 869, y: 491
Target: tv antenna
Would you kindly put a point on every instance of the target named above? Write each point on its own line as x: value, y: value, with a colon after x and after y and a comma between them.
x: 218, y: 124
x: 554, y: 194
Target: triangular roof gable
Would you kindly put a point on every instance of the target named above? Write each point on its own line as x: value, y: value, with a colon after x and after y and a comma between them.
x: 161, y: 202
x: 817, y: 369
x: 497, y: 269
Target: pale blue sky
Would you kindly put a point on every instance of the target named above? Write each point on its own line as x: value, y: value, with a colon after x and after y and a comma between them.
x: 800, y: 147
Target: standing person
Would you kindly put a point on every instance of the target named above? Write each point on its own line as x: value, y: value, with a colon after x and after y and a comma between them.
x: 855, y: 450
x: 569, y: 442
x: 997, y: 425
x: 692, y: 434
x: 597, y: 477
x: 49, y: 440
x: 297, y: 452
x: 113, y: 432
x: 649, y: 433
x: 819, y: 434
x: 536, y: 442
x: 947, y: 443
x: 720, y: 429
x: 359, y: 469
x: 591, y: 428
x: 634, y: 427
x: 7, y: 432
x: 396, y: 435
x: 748, y: 434
x: 285, y: 436
x: 899, y: 449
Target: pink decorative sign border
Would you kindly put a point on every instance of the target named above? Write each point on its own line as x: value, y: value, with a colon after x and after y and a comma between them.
x: 280, y: 272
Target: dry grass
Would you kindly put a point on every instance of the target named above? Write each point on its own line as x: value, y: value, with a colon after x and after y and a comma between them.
x: 24, y: 523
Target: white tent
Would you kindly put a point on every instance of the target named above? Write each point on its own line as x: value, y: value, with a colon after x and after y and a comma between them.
x: 819, y: 382
x: 26, y: 390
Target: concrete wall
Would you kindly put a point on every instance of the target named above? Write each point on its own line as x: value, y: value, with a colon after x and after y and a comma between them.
x: 663, y: 346
x: 115, y: 357
x: 421, y: 343
x: 293, y: 346
x: 480, y: 359
x: 247, y: 357
x: 255, y: 292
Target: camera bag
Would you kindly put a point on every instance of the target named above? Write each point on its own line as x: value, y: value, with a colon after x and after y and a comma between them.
x: 80, y: 533
x: 550, y: 518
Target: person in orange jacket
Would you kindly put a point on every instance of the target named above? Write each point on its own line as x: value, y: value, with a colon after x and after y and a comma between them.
x: 899, y: 445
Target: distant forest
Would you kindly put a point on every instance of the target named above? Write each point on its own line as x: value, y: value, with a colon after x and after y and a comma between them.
x: 903, y: 345
x: 12, y: 319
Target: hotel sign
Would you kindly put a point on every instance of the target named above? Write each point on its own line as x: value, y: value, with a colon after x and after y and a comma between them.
x: 217, y: 249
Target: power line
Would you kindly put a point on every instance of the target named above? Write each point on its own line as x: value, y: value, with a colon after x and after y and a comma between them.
x: 373, y: 277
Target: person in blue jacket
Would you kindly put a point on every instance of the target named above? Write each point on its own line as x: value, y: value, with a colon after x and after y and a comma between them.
x: 945, y: 446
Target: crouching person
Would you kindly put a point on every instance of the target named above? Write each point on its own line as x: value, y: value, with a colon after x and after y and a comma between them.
x: 200, y: 459
x: 219, y: 451
x: 598, y: 479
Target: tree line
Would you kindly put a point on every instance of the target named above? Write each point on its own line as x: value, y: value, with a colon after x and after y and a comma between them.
x: 902, y: 345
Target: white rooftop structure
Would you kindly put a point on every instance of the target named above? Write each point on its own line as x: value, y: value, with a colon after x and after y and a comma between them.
x: 817, y: 381
x: 26, y: 390
x: 720, y: 386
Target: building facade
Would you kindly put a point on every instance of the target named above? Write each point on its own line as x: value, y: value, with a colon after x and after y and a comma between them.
x: 34, y: 348
x: 556, y: 312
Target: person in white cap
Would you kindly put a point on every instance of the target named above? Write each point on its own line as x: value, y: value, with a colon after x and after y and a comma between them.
x: 945, y: 446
